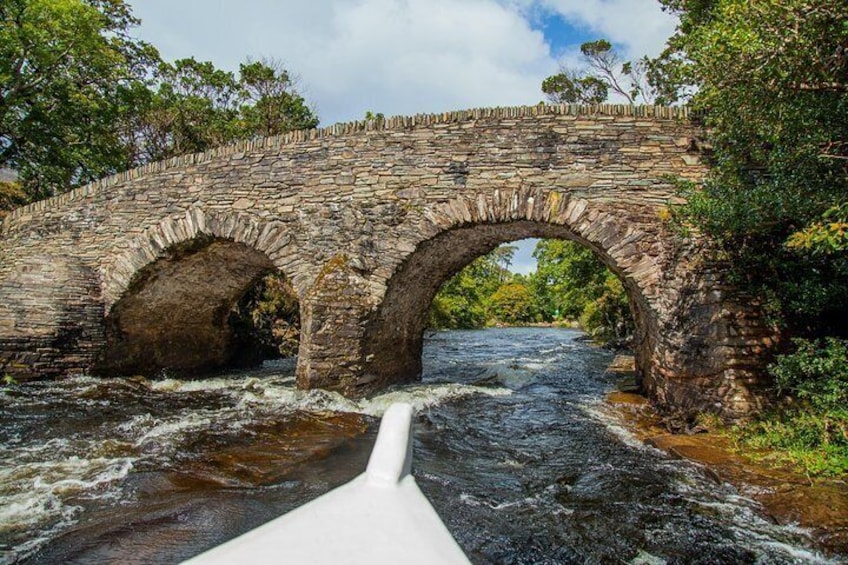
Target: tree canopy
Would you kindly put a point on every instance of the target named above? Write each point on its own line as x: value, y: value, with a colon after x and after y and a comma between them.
x: 191, y: 106
x: 772, y: 78
x: 80, y: 98
x: 604, y: 72
x: 64, y: 65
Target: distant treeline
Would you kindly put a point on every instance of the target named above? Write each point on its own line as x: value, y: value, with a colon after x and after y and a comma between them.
x: 569, y: 285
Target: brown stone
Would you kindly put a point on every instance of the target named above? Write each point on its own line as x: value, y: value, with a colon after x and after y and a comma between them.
x: 406, y: 203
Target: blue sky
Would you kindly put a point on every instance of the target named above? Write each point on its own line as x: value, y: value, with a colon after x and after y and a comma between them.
x: 404, y: 56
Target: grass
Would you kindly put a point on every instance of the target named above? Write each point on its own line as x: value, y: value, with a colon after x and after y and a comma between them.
x: 813, y: 442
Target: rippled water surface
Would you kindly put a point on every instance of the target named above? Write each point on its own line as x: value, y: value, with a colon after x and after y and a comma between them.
x: 513, y: 446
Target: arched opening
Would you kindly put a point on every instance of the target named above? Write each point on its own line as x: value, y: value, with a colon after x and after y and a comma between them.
x: 537, y: 282
x: 197, y: 308
x: 394, y: 335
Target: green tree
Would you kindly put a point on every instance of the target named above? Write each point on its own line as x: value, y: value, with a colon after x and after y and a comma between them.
x: 192, y: 107
x: 271, y: 104
x: 571, y: 283
x: 463, y: 301
x: 570, y: 87
x: 607, y: 318
x: 378, y: 117
x: 771, y: 78
x: 64, y: 65
x: 80, y: 98
x: 568, y: 277
x: 603, y: 72
x: 513, y: 303
x: 195, y: 106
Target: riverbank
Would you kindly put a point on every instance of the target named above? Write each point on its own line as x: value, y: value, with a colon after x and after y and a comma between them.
x: 787, y: 496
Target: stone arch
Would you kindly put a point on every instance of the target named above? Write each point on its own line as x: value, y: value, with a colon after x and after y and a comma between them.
x: 271, y: 238
x: 461, y: 229
x: 346, y: 211
x: 168, y: 296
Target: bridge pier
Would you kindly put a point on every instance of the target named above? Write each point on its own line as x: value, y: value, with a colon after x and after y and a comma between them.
x: 332, y: 316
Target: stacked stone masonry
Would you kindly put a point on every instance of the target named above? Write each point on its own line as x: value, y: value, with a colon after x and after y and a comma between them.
x: 137, y: 272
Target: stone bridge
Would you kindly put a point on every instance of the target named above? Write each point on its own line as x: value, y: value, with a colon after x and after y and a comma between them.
x: 138, y: 272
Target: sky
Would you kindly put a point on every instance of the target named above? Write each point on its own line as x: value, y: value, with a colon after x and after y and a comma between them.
x: 404, y: 56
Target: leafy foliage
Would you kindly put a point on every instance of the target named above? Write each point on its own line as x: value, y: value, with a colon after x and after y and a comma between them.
x: 568, y: 277
x: 570, y: 87
x: 826, y: 237
x: 11, y: 196
x: 267, y: 319
x: 570, y: 284
x: 81, y: 99
x: 270, y: 103
x: 607, y: 318
x: 513, y: 303
x: 604, y: 72
x: 772, y: 79
x: 573, y: 284
x: 817, y: 443
x: 64, y: 68
x: 192, y: 107
x: 815, y: 373
x: 810, y: 428
x: 463, y: 301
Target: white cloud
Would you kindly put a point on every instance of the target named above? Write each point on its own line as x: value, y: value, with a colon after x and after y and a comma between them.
x: 397, y: 56
x: 639, y: 26
x: 408, y: 56
x: 390, y: 56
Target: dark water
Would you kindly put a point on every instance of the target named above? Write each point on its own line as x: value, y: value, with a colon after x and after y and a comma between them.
x: 513, y: 446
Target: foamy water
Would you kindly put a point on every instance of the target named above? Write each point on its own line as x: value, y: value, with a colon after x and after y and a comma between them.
x: 512, y: 445
x: 43, y: 482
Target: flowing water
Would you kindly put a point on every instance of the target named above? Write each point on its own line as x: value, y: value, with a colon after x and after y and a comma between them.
x: 513, y: 445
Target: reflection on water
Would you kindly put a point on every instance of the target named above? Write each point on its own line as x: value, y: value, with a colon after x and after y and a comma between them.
x: 512, y: 445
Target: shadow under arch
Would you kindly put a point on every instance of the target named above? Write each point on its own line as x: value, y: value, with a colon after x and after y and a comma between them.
x: 169, y: 296
x: 394, y: 332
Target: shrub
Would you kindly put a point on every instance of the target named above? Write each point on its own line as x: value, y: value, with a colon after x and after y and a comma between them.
x: 607, y: 318
x: 815, y: 373
x: 810, y: 429
x: 455, y: 312
x: 817, y: 442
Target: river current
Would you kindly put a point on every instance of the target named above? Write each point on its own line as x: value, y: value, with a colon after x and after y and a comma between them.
x: 514, y: 446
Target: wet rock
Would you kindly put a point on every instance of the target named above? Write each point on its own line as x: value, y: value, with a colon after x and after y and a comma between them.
x: 786, y: 496
x: 271, y: 453
x: 622, y: 364
x: 627, y: 398
x: 702, y: 449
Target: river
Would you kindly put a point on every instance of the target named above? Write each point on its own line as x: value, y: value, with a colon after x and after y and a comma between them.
x: 514, y: 446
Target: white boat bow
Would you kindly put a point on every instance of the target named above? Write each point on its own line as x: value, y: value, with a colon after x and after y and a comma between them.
x: 380, y: 517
